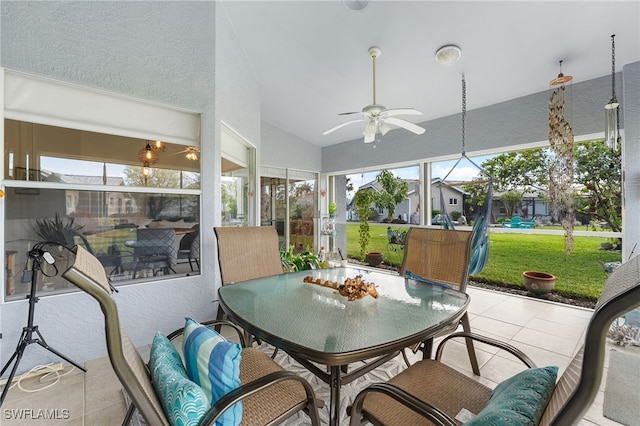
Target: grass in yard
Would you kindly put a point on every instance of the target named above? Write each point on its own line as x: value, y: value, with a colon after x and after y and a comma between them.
x: 580, y: 274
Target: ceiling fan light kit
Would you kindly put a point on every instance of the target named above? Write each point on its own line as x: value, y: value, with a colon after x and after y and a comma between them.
x: 448, y: 55
x: 378, y: 117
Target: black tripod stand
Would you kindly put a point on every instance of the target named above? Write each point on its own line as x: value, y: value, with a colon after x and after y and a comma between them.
x: 30, y: 333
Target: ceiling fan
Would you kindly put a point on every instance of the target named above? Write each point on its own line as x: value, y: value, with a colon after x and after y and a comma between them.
x: 377, y: 116
x: 191, y: 152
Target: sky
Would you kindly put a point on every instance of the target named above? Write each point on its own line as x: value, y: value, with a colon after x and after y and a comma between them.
x: 464, y: 171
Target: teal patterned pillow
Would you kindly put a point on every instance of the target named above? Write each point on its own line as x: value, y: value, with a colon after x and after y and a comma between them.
x: 183, y: 401
x: 213, y: 363
x: 519, y: 400
x: 164, y: 353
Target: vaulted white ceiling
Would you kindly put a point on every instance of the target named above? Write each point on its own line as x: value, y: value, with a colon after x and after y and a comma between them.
x: 311, y: 62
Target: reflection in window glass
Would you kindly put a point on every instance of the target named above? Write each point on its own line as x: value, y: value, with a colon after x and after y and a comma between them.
x: 136, y: 235
x: 234, y: 200
x: 36, y: 152
x: 301, y: 214
x: 141, y: 236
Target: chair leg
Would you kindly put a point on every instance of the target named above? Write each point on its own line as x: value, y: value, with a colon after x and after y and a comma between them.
x: 466, y: 327
x: 406, y: 359
x: 219, y: 316
x: 128, y: 417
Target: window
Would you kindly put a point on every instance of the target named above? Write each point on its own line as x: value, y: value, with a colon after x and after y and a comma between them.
x: 453, y: 201
x: 238, y: 171
x: 74, y: 174
x: 288, y: 203
x: 58, y: 199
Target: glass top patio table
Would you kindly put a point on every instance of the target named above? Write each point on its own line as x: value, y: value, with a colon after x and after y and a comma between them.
x: 313, y: 323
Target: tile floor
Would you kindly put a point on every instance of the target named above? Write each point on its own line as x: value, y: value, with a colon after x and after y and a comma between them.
x: 548, y: 332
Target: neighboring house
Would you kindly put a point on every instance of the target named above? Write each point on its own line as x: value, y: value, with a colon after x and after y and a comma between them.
x: 454, y: 200
x: 108, y: 204
x: 453, y: 197
x: 533, y: 205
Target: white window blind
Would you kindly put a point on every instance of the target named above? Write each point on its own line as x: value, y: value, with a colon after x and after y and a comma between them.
x: 45, y: 101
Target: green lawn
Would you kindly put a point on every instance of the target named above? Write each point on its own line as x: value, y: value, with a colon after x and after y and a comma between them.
x: 511, y: 254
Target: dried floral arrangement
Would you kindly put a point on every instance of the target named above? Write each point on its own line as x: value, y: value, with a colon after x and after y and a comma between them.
x: 352, y: 288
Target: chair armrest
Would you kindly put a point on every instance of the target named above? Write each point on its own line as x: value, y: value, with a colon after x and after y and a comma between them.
x: 425, y: 409
x: 212, y: 323
x: 493, y: 342
x: 248, y: 389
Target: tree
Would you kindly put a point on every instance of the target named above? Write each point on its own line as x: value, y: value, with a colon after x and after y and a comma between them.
x: 598, y: 171
x: 157, y: 178
x: 524, y: 171
x: 362, y: 201
x: 394, y: 191
x: 511, y: 201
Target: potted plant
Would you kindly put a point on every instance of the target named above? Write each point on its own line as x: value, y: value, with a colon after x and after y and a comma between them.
x: 362, y: 201
x: 300, y: 262
x: 54, y: 229
x: 332, y: 209
x: 538, y: 283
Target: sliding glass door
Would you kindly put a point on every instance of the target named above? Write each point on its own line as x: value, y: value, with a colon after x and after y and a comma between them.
x: 288, y: 202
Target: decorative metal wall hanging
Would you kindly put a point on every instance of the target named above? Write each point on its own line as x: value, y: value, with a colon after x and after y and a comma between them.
x: 561, y: 199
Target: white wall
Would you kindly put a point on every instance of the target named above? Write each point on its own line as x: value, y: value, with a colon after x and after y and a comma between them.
x: 631, y: 161
x: 158, y: 51
x: 299, y: 154
x: 520, y: 121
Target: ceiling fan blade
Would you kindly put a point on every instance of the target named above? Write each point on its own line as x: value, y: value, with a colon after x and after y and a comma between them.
x: 405, y: 125
x: 349, y: 113
x: 400, y: 111
x: 370, y: 129
x: 341, y: 125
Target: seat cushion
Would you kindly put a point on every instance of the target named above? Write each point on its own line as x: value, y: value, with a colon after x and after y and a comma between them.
x: 213, y: 363
x: 183, y: 401
x: 429, y: 380
x: 519, y: 400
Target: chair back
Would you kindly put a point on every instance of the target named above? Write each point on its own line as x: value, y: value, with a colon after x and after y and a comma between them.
x: 245, y: 253
x: 88, y: 275
x: 194, y: 250
x: 162, y: 242
x: 441, y: 255
x: 577, y: 387
x: 187, y: 240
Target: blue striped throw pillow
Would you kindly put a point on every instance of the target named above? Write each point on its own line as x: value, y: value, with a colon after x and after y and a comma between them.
x: 183, y: 401
x: 213, y: 363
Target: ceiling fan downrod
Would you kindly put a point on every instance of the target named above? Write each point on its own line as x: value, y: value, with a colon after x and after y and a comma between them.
x: 374, y: 52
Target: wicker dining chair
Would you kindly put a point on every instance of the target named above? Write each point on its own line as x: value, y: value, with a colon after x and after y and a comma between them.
x: 430, y: 392
x: 269, y: 394
x: 246, y: 253
x: 441, y: 256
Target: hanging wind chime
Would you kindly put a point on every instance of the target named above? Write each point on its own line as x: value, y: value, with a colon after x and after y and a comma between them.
x: 611, y: 110
x: 561, y: 171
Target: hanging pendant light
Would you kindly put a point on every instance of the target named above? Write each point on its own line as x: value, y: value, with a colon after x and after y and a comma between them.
x: 612, y: 120
x: 158, y: 146
x: 147, y: 155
